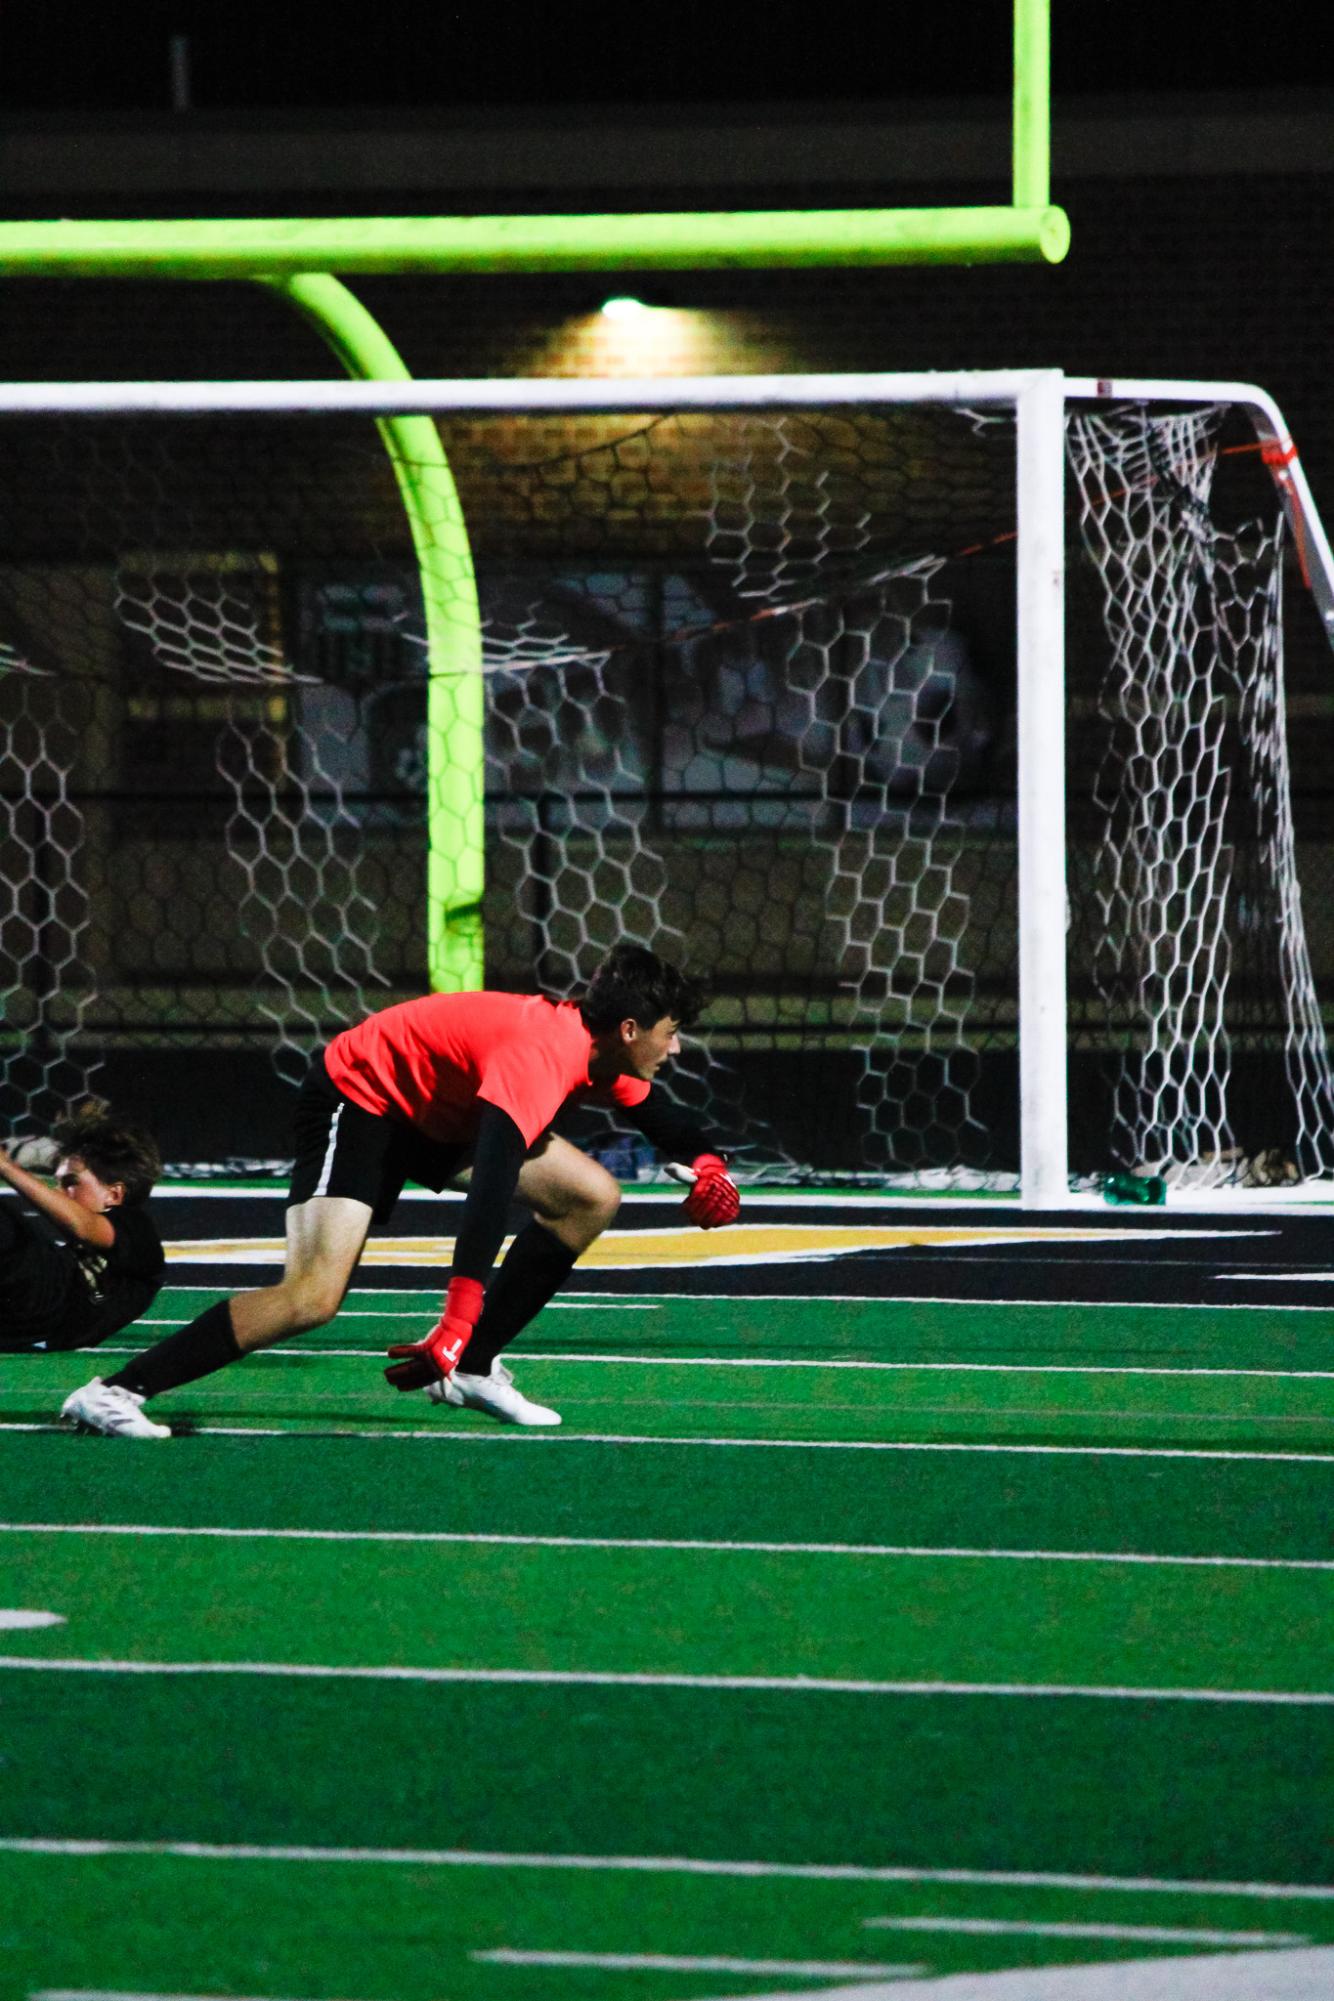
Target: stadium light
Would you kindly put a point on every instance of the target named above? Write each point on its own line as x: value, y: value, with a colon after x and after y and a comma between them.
x: 624, y: 306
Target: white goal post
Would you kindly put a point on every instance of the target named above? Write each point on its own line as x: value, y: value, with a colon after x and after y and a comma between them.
x: 1043, y: 405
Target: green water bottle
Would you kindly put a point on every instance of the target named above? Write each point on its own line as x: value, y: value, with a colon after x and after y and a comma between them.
x: 1149, y: 1190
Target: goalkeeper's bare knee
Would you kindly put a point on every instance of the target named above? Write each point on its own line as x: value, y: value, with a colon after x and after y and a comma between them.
x: 308, y: 1302
x: 589, y: 1207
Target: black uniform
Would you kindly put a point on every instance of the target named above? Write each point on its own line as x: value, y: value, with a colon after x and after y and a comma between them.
x: 55, y: 1294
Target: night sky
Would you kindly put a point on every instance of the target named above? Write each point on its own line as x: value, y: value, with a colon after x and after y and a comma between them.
x: 59, y: 58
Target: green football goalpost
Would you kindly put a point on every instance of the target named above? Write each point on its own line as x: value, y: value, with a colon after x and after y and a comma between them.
x: 298, y: 257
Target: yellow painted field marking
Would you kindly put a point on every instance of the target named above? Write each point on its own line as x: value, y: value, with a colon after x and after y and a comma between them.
x: 633, y: 1250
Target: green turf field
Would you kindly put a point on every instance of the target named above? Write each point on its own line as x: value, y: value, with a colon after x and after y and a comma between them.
x: 825, y: 1641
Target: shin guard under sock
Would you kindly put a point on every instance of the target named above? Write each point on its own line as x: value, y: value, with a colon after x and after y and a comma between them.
x: 536, y: 1266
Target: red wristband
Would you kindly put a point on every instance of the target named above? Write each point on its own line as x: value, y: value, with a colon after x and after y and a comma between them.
x: 463, y: 1300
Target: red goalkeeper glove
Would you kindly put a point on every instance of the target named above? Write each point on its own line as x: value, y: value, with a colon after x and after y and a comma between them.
x: 438, y: 1355
x: 713, y: 1199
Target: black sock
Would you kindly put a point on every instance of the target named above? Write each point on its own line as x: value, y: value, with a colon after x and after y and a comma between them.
x: 197, y: 1350
x: 536, y: 1265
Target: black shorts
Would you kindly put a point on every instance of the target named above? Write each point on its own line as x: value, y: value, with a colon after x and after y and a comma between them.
x: 343, y: 1150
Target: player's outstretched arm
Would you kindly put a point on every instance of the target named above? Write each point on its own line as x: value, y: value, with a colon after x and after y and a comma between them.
x: 496, y: 1162
x: 689, y: 1157
x: 86, y: 1226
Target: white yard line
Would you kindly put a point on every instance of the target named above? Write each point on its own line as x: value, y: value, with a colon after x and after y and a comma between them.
x: 948, y: 1552
x: 571, y: 1296
x: 649, y: 1962
x: 663, y: 1195
x: 622, y: 1299
x: 674, y: 1962
x: 666, y: 1865
x: 415, y: 1313
x: 764, y: 1362
x: 753, y: 1683
x: 1289, y: 1277
x: 1036, y: 1928
x: 514, y: 1436
x: 132, y: 1994
x: 928, y: 1368
x: 1002, y: 1204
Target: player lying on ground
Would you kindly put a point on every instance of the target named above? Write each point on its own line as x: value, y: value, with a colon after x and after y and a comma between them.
x: 90, y: 1261
x: 432, y: 1089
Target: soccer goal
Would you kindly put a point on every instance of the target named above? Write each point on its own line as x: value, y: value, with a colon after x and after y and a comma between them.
x: 942, y: 719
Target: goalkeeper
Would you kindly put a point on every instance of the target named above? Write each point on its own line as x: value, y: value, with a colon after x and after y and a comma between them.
x: 90, y: 1261
x: 435, y: 1088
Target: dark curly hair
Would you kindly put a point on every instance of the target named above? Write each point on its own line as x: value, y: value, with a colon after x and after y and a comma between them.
x: 634, y: 984
x: 115, y: 1151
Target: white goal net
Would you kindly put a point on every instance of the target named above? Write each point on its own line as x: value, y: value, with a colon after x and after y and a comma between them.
x: 1199, y: 943
x: 753, y: 693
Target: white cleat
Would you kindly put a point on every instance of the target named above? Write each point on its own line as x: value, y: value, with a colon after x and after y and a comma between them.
x: 116, y: 1413
x: 495, y: 1394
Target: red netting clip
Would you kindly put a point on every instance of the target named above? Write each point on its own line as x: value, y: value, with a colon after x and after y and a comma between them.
x: 1276, y: 456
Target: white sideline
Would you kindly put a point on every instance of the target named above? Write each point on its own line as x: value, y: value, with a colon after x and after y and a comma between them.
x: 666, y: 1865
x: 867, y: 1549
x: 598, y: 1678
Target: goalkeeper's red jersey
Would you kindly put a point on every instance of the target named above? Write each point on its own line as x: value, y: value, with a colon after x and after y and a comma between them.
x: 434, y: 1061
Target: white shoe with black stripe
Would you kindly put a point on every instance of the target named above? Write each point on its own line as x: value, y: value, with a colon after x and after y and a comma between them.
x: 107, y: 1408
